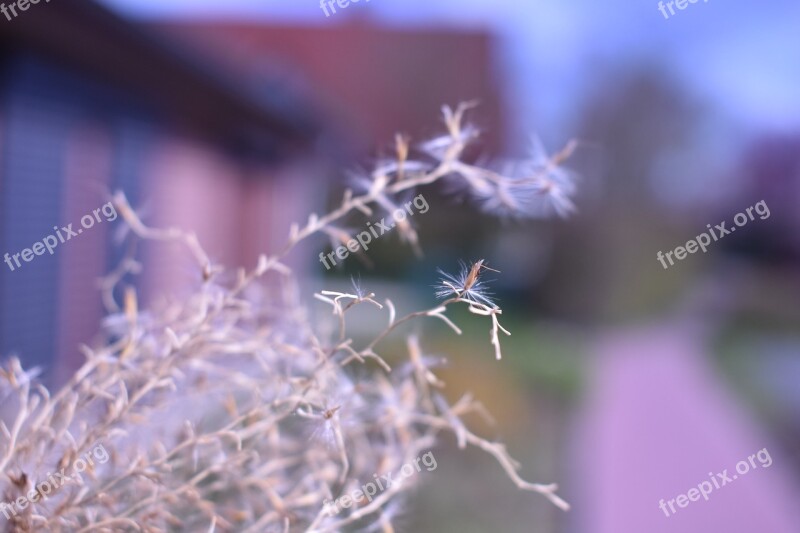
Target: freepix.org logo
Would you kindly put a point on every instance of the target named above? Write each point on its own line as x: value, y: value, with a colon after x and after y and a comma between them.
x: 705, y: 488
x: 61, y: 236
x: 22, y: 5
x: 53, y: 482
x: 376, y: 230
x: 383, y: 482
x: 680, y: 4
x: 702, y: 241
x: 325, y: 5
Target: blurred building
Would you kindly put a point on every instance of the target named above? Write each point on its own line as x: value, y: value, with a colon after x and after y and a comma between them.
x: 372, y: 81
x: 213, y: 127
x: 91, y: 103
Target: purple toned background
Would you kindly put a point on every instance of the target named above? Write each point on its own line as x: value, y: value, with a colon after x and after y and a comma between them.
x: 624, y: 382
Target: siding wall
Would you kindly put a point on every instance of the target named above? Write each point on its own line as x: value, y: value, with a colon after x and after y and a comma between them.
x: 66, y: 144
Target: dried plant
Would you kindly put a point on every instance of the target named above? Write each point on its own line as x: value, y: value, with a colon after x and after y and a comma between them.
x: 289, y: 417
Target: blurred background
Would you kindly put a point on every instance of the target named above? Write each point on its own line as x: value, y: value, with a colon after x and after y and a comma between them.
x: 624, y: 382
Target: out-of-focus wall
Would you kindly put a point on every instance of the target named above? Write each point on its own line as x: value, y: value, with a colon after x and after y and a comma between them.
x: 186, y: 146
x: 373, y: 81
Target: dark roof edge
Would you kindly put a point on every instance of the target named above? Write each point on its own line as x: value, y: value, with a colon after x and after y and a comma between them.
x: 91, y: 38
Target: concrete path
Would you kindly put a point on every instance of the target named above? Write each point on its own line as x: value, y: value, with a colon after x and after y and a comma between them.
x: 657, y: 421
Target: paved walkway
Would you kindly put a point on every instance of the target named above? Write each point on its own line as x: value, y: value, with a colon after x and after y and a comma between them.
x: 657, y: 421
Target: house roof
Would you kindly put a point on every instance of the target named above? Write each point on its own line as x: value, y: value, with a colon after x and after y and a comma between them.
x: 371, y: 80
x: 89, y: 38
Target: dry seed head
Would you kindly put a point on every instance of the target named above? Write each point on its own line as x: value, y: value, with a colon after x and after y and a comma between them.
x: 239, y: 459
x: 474, y: 272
